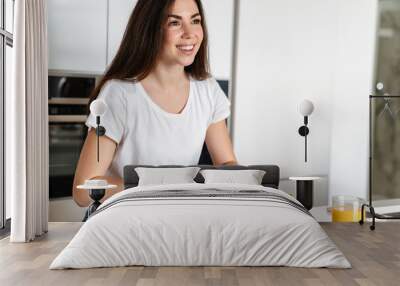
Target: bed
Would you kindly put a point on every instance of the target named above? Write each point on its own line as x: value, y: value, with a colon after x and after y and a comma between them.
x: 199, y: 224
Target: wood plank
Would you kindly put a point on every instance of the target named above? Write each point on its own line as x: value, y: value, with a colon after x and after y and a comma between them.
x: 374, y: 255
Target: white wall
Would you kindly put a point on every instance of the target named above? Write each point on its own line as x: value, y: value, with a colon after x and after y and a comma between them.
x: 353, y: 83
x: 289, y: 50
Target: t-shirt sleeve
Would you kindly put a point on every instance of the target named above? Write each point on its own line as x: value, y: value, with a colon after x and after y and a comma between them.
x: 222, y: 106
x: 114, y: 119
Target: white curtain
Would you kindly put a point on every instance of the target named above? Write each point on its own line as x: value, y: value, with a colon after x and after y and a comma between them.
x: 27, y: 123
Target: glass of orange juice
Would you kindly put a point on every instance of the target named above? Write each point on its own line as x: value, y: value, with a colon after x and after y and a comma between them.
x: 346, y: 209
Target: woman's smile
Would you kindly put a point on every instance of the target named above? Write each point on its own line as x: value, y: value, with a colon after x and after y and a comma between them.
x: 186, y: 49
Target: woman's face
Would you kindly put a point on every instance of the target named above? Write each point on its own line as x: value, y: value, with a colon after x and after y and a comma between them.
x: 183, y: 33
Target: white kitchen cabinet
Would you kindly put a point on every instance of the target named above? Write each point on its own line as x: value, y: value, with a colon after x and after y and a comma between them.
x: 119, y: 12
x: 77, y: 35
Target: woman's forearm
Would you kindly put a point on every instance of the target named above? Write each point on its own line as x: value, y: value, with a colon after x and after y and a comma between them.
x: 89, y: 168
x: 232, y: 163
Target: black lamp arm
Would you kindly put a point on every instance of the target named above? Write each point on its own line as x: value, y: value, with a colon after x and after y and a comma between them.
x: 100, y: 131
x: 304, y: 131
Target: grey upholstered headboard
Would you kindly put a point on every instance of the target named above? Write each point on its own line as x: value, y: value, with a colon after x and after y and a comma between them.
x: 270, y: 179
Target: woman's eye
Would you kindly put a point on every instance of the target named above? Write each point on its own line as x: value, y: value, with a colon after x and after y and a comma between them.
x: 173, y: 23
x: 197, y: 21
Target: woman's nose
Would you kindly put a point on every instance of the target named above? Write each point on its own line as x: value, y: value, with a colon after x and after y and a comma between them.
x: 187, y: 30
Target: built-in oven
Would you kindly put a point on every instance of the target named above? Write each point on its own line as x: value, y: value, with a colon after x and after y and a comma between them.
x: 68, y: 99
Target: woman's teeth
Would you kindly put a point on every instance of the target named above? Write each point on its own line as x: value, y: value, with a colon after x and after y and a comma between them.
x: 186, y: 48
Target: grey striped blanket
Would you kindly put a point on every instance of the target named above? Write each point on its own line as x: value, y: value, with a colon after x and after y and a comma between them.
x: 206, y: 194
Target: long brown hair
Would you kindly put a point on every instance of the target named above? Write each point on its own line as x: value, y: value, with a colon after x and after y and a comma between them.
x: 142, y: 43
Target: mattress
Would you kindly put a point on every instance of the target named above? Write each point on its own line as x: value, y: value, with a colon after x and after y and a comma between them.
x: 201, y: 225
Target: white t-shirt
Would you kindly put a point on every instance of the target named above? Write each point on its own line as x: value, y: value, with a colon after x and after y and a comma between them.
x: 147, y: 134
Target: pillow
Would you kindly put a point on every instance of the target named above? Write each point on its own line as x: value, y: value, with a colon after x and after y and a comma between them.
x: 162, y: 176
x: 249, y: 177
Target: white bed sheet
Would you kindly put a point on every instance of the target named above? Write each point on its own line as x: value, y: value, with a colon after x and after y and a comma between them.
x: 200, y: 232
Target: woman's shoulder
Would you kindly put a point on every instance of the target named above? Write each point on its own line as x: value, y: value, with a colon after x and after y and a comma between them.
x: 119, y: 85
x: 207, y: 86
x: 123, y: 89
x: 116, y: 92
x: 208, y: 82
x: 209, y: 94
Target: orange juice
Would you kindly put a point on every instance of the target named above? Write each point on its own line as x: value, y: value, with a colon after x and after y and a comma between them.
x: 346, y: 209
x: 341, y: 215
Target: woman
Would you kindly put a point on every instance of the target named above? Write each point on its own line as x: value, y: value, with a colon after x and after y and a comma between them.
x: 162, y: 102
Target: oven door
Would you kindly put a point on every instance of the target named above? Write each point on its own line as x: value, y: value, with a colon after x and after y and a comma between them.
x: 67, y: 134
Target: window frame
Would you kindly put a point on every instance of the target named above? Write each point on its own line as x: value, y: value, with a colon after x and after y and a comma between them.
x: 6, y: 39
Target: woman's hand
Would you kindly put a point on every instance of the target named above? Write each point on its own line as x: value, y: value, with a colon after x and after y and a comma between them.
x: 219, y: 144
x: 89, y: 168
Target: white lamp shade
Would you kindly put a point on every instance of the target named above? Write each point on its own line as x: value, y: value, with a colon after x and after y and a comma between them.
x: 379, y: 86
x: 98, y: 107
x: 306, y: 107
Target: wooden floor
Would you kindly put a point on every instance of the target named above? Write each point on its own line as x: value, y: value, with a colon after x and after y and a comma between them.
x: 375, y: 256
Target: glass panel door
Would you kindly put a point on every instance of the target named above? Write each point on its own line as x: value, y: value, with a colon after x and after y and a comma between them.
x: 386, y: 110
x: 388, y: 47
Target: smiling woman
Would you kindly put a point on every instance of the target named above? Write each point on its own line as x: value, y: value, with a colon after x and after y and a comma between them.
x: 175, y: 24
x: 163, y: 103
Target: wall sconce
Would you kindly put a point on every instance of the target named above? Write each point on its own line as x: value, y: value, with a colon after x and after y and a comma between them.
x: 98, y: 107
x: 306, y: 107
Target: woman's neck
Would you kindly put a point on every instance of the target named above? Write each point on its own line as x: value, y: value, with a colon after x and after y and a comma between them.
x: 168, y: 75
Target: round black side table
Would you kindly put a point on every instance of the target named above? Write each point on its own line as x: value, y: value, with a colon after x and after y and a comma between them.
x: 304, y: 190
x: 96, y: 193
